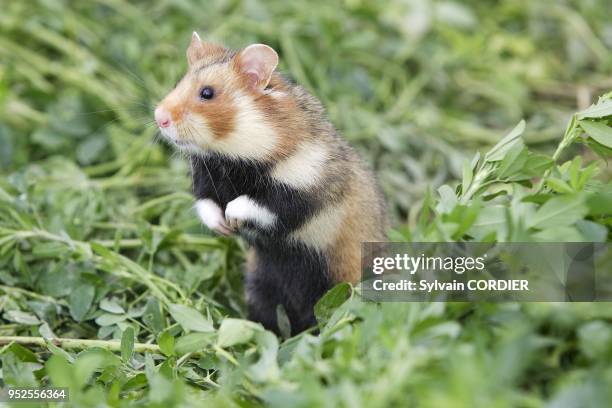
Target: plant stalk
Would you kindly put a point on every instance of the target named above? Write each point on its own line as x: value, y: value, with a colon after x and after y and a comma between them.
x: 78, y: 344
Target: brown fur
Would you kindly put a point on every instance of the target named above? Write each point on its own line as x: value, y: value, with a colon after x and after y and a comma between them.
x: 220, y: 113
x: 282, y: 113
x: 365, y: 220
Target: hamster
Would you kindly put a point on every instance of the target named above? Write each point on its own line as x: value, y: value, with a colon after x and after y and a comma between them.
x: 268, y: 165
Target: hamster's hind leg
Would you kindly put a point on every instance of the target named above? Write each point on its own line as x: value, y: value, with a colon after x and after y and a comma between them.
x: 262, y: 297
x: 297, y: 286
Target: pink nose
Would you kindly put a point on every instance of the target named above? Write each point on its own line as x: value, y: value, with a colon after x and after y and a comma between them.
x: 162, y: 117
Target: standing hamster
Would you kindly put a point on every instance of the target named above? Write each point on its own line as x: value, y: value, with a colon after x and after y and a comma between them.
x: 267, y: 164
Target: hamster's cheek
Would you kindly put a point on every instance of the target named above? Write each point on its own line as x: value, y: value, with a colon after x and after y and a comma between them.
x: 170, y: 133
x: 243, y: 130
x: 175, y: 138
x: 197, y: 131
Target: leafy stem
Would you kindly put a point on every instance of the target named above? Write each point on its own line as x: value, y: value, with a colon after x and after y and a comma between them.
x: 78, y: 344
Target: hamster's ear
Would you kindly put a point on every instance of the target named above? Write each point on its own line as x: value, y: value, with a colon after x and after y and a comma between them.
x: 195, y: 50
x: 257, y: 62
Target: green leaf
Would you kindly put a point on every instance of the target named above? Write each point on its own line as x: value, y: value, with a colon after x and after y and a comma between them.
x: 149, y: 367
x: 152, y: 316
x: 107, y: 358
x: 599, y: 203
x: 16, y: 372
x: 23, y: 354
x: 558, y: 234
x: 466, y: 216
x: 284, y: 325
x: 599, y: 149
x: 111, y: 305
x: 102, y: 251
x: 558, y: 185
x: 20, y: 317
x: 448, y: 199
x: 45, y: 331
x: 236, y: 331
x: 85, y: 365
x: 332, y: 300
x: 595, y: 340
x: 61, y: 352
x: 108, y: 319
x: 499, y: 150
x: 586, y: 174
x: 137, y: 382
x: 127, y: 344
x: 513, y: 162
x: 80, y: 301
x: 190, y: 319
x: 559, y: 211
x: 598, y: 110
x: 165, y: 341
x: 60, y: 372
x: 266, y: 368
x: 490, y: 219
x: 591, y: 231
x: 468, y: 174
x: 192, y: 342
x: 474, y: 162
x: 598, y: 131
x: 574, y: 171
x: 537, y: 164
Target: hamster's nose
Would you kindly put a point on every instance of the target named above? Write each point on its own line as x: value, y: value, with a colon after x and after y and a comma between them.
x: 162, y: 117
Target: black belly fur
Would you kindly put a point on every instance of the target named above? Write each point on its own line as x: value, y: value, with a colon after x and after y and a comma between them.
x: 285, y: 272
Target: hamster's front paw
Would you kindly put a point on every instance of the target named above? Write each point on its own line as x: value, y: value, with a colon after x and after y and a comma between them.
x: 212, y: 216
x: 244, y: 209
x: 237, y: 211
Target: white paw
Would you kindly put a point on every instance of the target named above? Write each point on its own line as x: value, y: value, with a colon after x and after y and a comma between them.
x: 243, y: 208
x: 212, y: 216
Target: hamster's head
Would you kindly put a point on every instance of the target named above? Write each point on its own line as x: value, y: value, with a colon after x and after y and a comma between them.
x: 217, y: 105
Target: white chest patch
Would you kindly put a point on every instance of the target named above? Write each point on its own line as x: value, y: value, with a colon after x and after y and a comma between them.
x: 322, y: 230
x: 304, y: 168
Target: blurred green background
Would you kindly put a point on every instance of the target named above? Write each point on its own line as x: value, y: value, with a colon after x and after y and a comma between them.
x: 413, y: 83
x: 98, y: 235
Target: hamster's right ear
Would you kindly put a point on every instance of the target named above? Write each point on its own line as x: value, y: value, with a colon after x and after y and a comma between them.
x: 257, y: 63
x: 195, y: 50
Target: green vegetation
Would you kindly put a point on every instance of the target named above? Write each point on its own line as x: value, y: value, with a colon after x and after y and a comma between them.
x: 99, y: 246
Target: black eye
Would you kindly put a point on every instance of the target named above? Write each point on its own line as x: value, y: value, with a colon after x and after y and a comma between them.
x: 207, y: 93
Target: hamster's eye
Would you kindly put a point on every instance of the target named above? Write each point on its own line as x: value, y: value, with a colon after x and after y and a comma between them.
x: 207, y: 93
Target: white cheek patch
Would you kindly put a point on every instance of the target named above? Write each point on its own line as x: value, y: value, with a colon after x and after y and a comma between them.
x: 244, y: 208
x: 198, y: 131
x: 252, y: 137
x: 210, y: 213
x: 304, y: 168
x: 170, y: 133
